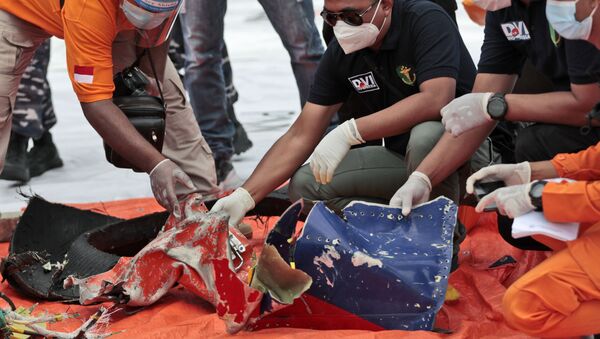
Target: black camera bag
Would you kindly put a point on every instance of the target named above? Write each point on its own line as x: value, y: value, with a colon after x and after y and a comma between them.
x: 145, y: 112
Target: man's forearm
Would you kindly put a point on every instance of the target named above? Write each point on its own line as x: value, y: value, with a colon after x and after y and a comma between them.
x: 563, y: 108
x: 542, y: 170
x: 112, y: 125
x: 290, y: 151
x: 279, y: 164
x: 452, y: 152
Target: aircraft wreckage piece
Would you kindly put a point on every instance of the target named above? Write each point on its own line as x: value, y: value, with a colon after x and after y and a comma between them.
x: 207, y: 257
x: 374, y: 269
x: 53, y: 241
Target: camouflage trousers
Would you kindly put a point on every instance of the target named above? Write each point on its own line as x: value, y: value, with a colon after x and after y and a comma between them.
x: 34, y: 113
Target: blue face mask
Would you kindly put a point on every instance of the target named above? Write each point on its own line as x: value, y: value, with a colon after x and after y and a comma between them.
x: 142, y: 18
x: 561, y: 15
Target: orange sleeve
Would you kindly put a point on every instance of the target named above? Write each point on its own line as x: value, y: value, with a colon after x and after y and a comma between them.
x: 577, y: 201
x: 584, y: 165
x: 476, y: 14
x: 90, y: 29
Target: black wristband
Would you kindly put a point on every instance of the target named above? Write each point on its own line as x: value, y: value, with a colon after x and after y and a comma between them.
x: 535, y: 193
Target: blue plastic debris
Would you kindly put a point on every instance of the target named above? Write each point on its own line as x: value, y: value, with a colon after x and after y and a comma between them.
x: 379, y: 265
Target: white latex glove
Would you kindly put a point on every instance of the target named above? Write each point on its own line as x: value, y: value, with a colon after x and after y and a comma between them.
x: 415, y: 191
x: 332, y: 149
x: 512, y: 201
x: 466, y: 112
x: 235, y: 205
x: 163, y: 178
x: 511, y: 174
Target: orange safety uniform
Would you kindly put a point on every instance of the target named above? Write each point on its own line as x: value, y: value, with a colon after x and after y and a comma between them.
x: 561, y: 296
x: 89, y: 29
x: 475, y: 13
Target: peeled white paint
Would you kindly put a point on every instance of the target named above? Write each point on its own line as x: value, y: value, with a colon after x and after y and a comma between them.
x: 327, y: 257
x: 439, y: 246
x: 360, y: 258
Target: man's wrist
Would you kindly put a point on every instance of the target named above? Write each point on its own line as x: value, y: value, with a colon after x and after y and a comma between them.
x: 496, y: 106
x: 423, y: 177
x: 536, y: 190
x: 352, y: 133
x: 246, y: 198
x: 155, y: 163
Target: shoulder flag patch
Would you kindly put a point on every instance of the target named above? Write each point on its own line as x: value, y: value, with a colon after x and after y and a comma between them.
x: 84, y: 74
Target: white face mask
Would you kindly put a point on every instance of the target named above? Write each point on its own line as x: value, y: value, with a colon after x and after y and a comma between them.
x: 492, y: 5
x: 142, y: 18
x: 561, y: 15
x: 354, y: 38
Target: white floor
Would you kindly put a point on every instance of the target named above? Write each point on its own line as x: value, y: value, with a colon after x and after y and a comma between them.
x: 268, y: 104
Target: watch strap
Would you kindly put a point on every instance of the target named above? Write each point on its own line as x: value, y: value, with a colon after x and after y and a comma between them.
x: 535, y: 193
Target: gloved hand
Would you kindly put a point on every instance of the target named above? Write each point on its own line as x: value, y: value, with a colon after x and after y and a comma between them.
x: 163, y: 178
x: 512, y: 201
x: 235, y: 205
x: 466, y: 112
x: 511, y: 174
x: 332, y: 149
x: 415, y: 191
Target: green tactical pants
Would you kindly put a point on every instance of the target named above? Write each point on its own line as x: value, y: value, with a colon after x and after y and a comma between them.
x: 375, y: 173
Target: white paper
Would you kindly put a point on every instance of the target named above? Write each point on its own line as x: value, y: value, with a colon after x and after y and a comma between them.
x: 535, y: 223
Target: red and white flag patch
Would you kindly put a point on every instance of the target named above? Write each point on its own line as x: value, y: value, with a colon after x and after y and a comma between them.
x: 84, y: 74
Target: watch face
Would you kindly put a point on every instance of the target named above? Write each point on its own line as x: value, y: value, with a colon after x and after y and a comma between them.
x: 537, y: 189
x: 496, y: 107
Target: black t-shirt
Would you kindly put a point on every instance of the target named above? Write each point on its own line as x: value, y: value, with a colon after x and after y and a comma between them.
x: 422, y: 43
x: 519, y: 32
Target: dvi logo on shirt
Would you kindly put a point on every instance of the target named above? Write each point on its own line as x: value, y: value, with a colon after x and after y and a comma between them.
x: 515, y: 31
x: 364, y: 83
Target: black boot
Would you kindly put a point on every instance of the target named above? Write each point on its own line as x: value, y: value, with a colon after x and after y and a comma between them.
x: 43, y: 156
x: 241, y: 143
x: 15, y: 166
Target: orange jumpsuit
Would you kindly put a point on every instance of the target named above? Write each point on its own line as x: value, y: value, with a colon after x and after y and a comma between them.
x: 561, y: 296
x: 89, y: 29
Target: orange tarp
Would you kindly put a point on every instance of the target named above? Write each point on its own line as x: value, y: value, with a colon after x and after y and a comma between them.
x: 476, y: 314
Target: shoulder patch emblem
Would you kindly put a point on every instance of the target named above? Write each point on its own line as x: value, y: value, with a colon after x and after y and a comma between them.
x: 406, y: 75
x: 515, y: 31
x: 364, y: 83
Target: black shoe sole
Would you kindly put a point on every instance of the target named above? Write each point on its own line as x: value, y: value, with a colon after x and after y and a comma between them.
x: 15, y: 173
x: 36, y: 171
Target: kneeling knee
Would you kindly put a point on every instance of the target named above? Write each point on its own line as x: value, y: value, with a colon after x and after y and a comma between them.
x: 424, y: 137
x: 523, y: 311
x: 302, y: 185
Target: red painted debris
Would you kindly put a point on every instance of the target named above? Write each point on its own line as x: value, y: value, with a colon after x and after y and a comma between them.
x: 193, y: 252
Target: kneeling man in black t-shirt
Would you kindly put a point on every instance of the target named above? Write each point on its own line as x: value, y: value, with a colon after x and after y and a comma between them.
x: 405, y: 60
